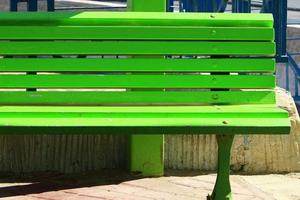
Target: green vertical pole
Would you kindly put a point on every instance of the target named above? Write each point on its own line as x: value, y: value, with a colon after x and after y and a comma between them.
x: 147, y: 6
x: 147, y: 151
x: 222, y: 189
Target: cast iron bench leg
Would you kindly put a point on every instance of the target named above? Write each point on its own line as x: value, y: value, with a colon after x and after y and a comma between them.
x: 222, y: 189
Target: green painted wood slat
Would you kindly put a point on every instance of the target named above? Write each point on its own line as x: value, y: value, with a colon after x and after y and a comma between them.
x: 136, y: 48
x: 137, y: 81
x: 136, y: 65
x: 231, y: 110
x: 147, y: 116
x: 136, y: 98
x: 136, y: 19
x: 135, y: 33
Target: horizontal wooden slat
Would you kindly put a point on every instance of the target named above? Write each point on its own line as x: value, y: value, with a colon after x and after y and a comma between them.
x: 136, y: 48
x: 136, y: 65
x: 251, y: 119
x: 136, y: 81
x: 137, y: 19
x: 232, y: 110
x: 136, y: 98
x: 135, y: 33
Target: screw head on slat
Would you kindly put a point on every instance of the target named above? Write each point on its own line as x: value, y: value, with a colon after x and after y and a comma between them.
x: 225, y: 122
x: 213, y: 32
x: 214, y: 65
x: 215, y: 96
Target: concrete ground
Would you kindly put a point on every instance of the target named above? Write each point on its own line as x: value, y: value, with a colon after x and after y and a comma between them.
x: 174, y: 186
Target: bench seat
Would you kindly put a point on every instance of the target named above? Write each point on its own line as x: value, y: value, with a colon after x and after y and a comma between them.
x: 141, y: 73
x: 232, y: 119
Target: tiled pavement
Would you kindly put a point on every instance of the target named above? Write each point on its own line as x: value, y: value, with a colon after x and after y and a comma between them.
x: 184, y: 186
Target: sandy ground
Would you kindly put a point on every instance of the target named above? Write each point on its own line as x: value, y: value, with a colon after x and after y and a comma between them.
x: 175, y: 186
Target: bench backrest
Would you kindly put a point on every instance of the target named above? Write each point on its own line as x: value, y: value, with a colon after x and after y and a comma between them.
x: 182, y: 58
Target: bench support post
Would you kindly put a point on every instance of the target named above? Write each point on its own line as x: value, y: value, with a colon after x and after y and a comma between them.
x: 147, y: 151
x: 222, y: 189
x: 149, y: 6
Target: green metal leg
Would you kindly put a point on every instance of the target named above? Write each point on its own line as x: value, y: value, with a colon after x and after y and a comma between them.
x: 222, y: 189
x: 146, y: 152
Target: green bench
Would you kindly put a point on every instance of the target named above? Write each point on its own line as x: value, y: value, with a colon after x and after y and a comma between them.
x: 162, y: 73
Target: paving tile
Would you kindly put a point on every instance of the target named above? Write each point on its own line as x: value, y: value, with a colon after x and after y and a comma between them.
x: 267, y: 187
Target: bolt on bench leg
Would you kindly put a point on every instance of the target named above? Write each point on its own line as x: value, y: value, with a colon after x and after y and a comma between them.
x: 222, y: 189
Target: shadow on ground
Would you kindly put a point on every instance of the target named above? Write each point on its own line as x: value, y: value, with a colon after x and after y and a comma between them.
x: 35, y: 183
x: 41, y: 182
